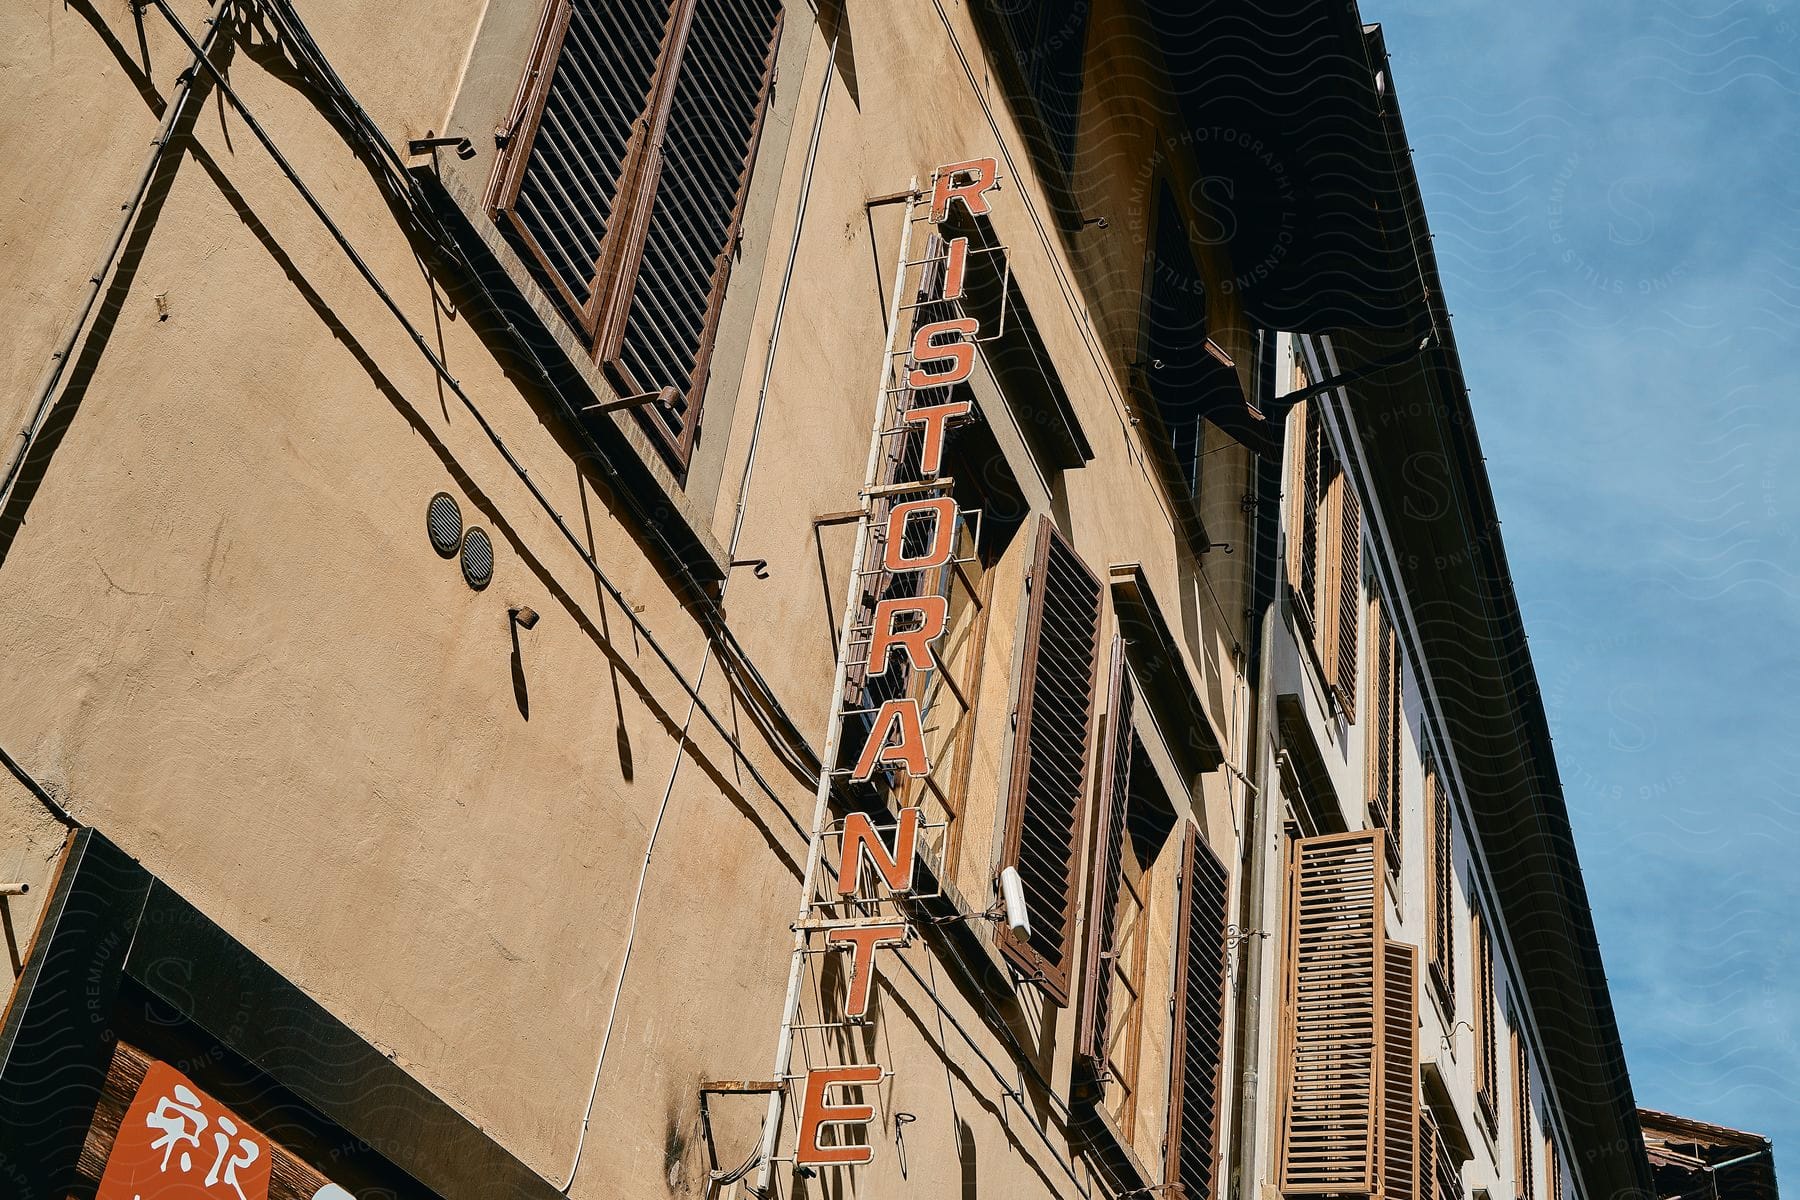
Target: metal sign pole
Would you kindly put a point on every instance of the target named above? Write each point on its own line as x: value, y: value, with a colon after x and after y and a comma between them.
x: 885, y: 405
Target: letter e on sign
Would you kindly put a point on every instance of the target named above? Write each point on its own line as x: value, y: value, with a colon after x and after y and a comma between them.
x: 816, y: 1115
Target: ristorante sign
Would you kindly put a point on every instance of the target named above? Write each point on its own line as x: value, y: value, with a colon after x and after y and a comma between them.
x: 906, y: 529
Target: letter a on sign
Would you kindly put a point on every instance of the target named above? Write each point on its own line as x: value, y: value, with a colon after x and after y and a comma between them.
x: 860, y: 836
x: 898, y: 738
x: 816, y: 1114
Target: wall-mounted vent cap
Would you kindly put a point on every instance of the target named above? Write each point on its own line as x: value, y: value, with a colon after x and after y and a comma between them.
x: 443, y: 521
x: 478, y: 559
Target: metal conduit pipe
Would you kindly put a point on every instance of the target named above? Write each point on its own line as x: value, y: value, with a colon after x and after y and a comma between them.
x: 59, y: 359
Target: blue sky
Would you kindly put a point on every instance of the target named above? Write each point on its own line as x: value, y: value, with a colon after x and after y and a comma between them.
x: 1614, y: 190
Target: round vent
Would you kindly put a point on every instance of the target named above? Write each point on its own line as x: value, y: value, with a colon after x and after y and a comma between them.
x: 477, y: 559
x: 443, y: 521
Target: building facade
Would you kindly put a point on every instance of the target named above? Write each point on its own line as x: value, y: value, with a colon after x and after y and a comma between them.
x: 727, y: 599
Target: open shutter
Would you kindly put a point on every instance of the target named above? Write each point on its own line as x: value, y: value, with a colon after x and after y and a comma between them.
x: 1335, y: 973
x: 1050, y: 750
x: 1400, y: 1075
x: 1383, y: 725
x: 581, y: 112
x: 1298, y: 502
x: 659, y: 331
x: 1486, y: 1053
x: 1524, y: 1168
x: 1346, y: 523
x: 623, y: 175
x: 1441, y: 897
x: 1199, y: 1023
x: 1105, y: 862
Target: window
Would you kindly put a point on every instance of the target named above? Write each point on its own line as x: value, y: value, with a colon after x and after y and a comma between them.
x: 1524, y: 1168
x: 623, y: 172
x: 1485, y: 1051
x: 1048, y: 41
x: 1383, y: 730
x: 1350, y: 1111
x: 1324, y: 553
x: 1440, y: 899
x: 1153, y: 968
x: 1050, y: 750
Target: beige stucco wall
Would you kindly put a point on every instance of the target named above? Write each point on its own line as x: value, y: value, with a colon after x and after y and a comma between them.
x: 231, y: 648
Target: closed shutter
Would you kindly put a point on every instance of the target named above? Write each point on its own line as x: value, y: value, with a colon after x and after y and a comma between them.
x: 1400, y: 1075
x: 1486, y: 1054
x: 624, y: 175
x: 1346, y: 524
x: 1523, y: 1166
x: 1050, y: 750
x: 1439, y: 1176
x: 1383, y: 724
x: 1441, y: 897
x: 1335, y: 973
x: 1199, y: 1020
x: 1105, y: 864
x: 1298, y: 502
x: 1553, y: 1168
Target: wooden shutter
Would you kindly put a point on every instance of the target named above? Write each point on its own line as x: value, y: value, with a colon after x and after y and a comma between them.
x: 624, y: 175
x: 1199, y: 1022
x: 1304, y: 534
x: 1440, y: 900
x: 1523, y: 1166
x: 1485, y: 1052
x: 1553, y: 1167
x: 1383, y: 727
x: 1439, y: 1176
x: 1105, y: 863
x: 1400, y: 1074
x: 1336, y: 969
x: 1344, y: 599
x: 1050, y: 749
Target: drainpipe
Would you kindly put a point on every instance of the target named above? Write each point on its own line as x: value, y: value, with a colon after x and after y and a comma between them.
x: 59, y: 361
x: 1262, y: 812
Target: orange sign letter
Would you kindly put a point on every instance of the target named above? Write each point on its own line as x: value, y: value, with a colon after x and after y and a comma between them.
x: 860, y: 837
x: 907, y: 750
x: 815, y: 1114
x: 960, y: 354
x: 941, y: 511
x: 984, y: 173
x: 935, y: 418
x: 862, y: 940
x: 932, y: 612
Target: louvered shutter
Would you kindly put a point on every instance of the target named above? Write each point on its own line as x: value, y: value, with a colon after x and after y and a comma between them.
x: 1199, y: 1022
x: 624, y: 175
x: 1050, y: 749
x: 661, y: 333
x: 1486, y: 1054
x: 580, y: 111
x: 1105, y: 862
x: 1298, y: 502
x: 1346, y: 523
x: 1523, y: 1165
x: 1335, y: 974
x: 1553, y: 1167
x: 1383, y: 725
x: 1441, y: 895
x: 1400, y: 1074
x: 1439, y: 1176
